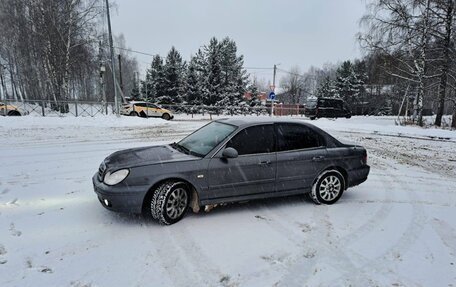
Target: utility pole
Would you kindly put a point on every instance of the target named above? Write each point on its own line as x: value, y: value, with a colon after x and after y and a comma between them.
x: 120, y: 73
x: 2, y: 94
x: 113, y: 67
x: 273, y: 89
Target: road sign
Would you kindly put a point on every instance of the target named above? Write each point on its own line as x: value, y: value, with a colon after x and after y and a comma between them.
x: 272, y: 95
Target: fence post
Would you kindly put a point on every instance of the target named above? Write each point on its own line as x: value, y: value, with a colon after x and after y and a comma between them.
x: 4, y: 112
x: 42, y: 108
x: 76, y: 107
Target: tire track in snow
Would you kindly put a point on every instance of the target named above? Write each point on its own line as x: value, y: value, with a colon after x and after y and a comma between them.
x: 303, y: 269
x: 183, y: 259
x: 402, y: 245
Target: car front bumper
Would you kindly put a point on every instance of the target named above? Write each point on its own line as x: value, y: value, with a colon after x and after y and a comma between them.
x: 116, y: 198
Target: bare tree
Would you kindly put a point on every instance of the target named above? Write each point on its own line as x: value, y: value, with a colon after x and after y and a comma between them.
x: 401, y: 29
x: 293, y: 85
x: 48, y: 47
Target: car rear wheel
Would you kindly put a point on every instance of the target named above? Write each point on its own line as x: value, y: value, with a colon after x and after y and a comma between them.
x: 14, y: 113
x: 134, y: 114
x: 328, y: 187
x: 170, y: 202
x: 166, y: 116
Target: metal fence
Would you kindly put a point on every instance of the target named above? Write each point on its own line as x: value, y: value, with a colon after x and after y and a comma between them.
x: 51, y: 108
x: 74, y: 108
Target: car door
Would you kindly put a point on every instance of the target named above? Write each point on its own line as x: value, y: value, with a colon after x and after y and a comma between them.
x: 301, y: 155
x: 153, y: 110
x: 252, y: 172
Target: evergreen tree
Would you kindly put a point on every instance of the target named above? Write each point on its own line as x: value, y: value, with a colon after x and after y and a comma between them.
x: 152, y: 87
x: 326, y: 89
x: 173, y: 78
x: 234, y: 77
x: 212, y: 79
x: 348, y: 83
x: 192, y: 83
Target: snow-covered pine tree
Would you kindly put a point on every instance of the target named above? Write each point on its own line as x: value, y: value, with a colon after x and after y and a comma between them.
x: 212, y: 82
x: 192, y: 83
x: 173, y: 78
x: 234, y: 77
x: 348, y: 83
x: 201, y: 67
x: 326, y: 89
x: 152, y: 87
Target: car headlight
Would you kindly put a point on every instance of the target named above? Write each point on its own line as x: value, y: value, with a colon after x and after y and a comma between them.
x: 115, y: 177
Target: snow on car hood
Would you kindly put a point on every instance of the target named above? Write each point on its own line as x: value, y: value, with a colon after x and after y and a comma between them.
x: 145, y: 156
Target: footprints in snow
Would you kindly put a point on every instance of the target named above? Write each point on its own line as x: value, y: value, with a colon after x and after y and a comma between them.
x: 14, y: 231
x: 2, y: 252
x: 42, y: 269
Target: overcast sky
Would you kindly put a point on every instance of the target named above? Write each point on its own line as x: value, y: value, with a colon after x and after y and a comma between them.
x: 289, y: 32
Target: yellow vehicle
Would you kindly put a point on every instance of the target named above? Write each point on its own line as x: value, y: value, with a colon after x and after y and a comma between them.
x: 11, y: 110
x: 145, y: 109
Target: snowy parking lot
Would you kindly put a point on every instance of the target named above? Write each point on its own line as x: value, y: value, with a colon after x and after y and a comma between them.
x: 396, y: 229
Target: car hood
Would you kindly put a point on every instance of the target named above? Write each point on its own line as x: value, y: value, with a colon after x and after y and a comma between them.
x: 145, y: 156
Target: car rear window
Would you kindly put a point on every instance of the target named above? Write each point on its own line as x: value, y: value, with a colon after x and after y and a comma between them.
x: 294, y: 137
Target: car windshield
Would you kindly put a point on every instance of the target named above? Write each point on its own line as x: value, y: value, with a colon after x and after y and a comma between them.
x: 201, y: 142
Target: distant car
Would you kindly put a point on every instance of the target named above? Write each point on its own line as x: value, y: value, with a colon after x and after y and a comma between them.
x: 145, y: 109
x: 326, y: 108
x: 230, y: 160
x: 11, y: 110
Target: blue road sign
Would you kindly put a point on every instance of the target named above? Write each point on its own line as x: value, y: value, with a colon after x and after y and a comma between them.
x: 272, y: 96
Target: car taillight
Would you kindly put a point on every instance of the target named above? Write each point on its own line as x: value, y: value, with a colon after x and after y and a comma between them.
x: 365, y: 158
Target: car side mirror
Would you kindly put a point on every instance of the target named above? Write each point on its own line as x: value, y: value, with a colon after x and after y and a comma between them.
x: 230, y: 152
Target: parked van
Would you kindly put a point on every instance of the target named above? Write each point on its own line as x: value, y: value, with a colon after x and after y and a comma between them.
x: 326, y: 108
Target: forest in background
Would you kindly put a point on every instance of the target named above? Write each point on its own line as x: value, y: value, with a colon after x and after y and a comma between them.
x: 58, y: 51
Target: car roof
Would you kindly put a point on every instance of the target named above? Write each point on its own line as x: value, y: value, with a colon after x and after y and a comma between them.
x: 248, y: 121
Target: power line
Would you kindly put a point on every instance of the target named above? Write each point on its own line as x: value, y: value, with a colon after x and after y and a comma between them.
x: 137, y: 52
x: 291, y: 73
x: 256, y: 68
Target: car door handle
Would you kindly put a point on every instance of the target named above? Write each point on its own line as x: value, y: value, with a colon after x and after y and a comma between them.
x: 318, y: 158
x: 264, y: 162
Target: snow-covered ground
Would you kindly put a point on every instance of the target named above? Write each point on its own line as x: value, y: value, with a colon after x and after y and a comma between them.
x: 396, y: 229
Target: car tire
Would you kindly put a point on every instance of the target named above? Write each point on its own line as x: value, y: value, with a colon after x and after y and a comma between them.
x: 134, y: 114
x: 328, y: 187
x: 14, y: 114
x: 166, y: 116
x: 312, y: 118
x: 348, y: 116
x: 170, y: 202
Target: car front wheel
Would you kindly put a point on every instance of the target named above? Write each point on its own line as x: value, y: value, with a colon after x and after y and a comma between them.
x: 328, y: 187
x: 170, y: 202
x: 166, y: 116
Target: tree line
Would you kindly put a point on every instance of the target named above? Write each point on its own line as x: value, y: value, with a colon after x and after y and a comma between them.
x: 410, y: 56
x: 53, y: 50
x: 213, y: 76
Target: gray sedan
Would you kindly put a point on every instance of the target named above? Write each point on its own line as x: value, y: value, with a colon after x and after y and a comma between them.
x: 230, y: 160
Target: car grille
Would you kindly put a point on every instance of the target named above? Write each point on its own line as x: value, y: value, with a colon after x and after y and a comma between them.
x: 101, y: 171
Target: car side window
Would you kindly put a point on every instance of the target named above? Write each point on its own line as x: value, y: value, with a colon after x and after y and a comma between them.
x: 253, y: 140
x: 294, y: 137
x: 140, y: 105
